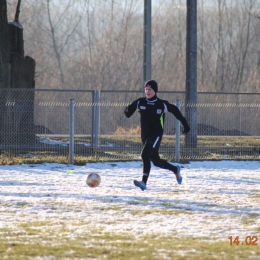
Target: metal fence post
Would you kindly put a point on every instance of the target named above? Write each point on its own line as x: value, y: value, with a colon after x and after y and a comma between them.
x: 177, y: 136
x: 95, y: 119
x: 71, y: 145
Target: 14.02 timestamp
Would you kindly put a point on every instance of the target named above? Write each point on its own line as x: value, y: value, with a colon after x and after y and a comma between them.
x: 249, y: 240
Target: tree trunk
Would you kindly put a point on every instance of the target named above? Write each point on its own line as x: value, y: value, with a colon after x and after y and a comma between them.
x: 16, y: 71
x: 5, y: 50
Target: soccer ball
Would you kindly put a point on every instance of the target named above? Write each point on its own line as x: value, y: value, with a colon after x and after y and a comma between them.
x: 93, y: 180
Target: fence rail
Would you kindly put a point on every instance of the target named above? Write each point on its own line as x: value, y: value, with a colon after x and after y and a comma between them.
x: 37, y: 123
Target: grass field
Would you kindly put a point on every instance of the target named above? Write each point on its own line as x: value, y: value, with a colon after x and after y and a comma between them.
x: 48, y: 212
x: 43, y: 240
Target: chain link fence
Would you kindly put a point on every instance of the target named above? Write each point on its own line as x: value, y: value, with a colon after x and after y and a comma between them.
x: 37, y: 123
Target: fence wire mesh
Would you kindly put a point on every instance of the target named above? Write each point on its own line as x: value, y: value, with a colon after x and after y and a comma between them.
x: 36, y: 123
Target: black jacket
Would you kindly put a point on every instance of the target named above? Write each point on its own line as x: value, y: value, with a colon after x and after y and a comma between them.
x: 152, y: 115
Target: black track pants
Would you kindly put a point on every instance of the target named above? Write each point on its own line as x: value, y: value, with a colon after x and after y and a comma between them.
x: 150, y: 153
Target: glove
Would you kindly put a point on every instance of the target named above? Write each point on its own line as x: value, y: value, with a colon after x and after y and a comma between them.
x: 186, y: 129
x: 126, y: 112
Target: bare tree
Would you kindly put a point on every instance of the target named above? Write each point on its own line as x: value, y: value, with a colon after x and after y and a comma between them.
x: 60, y: 36
x: 168, y: 45
x: 115, y: 47
x: 87, y: 44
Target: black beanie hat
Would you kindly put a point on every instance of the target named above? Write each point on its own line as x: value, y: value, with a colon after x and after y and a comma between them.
x: 152, y: 84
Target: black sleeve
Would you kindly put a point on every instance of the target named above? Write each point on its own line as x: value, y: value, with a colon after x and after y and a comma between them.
x: 177, y: 113
x: 129, y: 110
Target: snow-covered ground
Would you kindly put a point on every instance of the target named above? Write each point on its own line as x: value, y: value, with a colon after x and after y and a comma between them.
x: 216, y: 199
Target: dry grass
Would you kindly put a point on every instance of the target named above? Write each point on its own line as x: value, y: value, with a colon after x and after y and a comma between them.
x: 134, y: 130
x: 125, y: 144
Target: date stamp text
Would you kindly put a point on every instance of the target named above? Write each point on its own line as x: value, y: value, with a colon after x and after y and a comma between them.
x: 249, y: 240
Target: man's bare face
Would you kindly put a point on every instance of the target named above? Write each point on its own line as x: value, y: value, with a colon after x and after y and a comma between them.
x: 149, y: 92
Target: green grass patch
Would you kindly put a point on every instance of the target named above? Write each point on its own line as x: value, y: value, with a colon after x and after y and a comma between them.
x: 44, y: 241
x: 248, y: 220
x: 161, y: 212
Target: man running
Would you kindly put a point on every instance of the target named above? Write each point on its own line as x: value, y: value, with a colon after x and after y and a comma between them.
x: 152, y: 111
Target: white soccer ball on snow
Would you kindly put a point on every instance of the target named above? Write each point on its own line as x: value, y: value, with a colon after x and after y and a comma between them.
x: 93, y: 180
